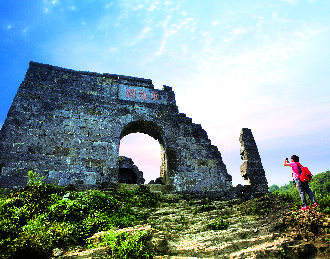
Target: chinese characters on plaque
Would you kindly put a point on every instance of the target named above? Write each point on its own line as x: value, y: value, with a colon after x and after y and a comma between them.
x: 139, y: 94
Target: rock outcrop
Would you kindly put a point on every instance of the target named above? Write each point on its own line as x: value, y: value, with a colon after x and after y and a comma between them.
x: 129, y: 172
x: 159, y: 180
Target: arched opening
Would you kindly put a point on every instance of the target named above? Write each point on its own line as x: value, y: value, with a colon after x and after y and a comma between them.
x: 142, y: 141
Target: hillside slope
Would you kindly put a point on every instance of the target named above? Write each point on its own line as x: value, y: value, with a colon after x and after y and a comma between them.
x: 261, y: 228
x: 141, y: 221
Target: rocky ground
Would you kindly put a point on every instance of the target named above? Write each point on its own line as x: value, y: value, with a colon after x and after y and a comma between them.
x: 185, y: 227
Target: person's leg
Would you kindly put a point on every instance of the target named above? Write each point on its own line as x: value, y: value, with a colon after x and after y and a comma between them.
x: 309, y: 192
x: 301, y: 192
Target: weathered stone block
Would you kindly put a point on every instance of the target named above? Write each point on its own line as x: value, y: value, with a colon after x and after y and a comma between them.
x: 90, y: 178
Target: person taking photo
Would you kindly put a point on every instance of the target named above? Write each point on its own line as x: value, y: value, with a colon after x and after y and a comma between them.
x: 302, y: 187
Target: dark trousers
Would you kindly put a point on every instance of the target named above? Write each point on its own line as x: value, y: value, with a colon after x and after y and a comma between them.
x: 302, y: 189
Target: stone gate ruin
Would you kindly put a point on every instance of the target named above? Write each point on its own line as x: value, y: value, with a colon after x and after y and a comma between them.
x: 67, y: 125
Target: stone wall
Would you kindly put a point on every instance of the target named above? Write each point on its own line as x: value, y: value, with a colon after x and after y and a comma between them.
x: 67, y: 125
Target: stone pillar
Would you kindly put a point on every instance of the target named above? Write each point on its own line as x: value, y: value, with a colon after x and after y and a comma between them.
x: 252, y: 169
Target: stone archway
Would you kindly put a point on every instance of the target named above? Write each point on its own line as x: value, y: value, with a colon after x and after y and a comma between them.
x: 153, y: 130
x: 67, y: 125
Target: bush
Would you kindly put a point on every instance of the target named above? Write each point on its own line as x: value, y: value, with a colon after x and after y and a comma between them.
x: 125, y: 244
x: 42, y: 235
x: 273, y: 188
x: 218, y: 224
x: 35, y: 179
x: 36, y: 219
x: 140, y: 197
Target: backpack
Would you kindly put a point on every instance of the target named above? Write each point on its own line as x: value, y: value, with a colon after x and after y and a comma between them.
x: 305, y: 175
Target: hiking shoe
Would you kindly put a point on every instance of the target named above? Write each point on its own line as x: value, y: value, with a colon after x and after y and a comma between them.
x: 304, y: 208
x: 315, y: 205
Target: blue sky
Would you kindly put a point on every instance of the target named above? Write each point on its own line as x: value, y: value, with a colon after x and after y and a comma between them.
x: 233, y: 64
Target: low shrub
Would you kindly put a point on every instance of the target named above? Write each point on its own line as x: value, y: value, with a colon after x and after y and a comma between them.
x: 140, y: 197
x: 42, y: 235
x: 34, y: 179
x: 125, y: 244
x: 218, y: 224
x: 204, y: 208
x: 254, y: 206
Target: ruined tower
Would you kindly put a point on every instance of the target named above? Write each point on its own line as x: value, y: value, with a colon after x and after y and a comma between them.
x: 67, y: 125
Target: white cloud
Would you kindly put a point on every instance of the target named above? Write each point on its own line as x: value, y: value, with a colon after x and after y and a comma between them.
x: 309, y: 33
x: 9, y: 27
x: 215, y: 23
x: 49, y: 5
x: 108, y: 5
x: 169, y: 29
x: 165, y: 36
x: 54, y: 2
x: 138, y: 7
x: 293, y: 2
x: 161, y: 47
x: 72, y: 8
x: 152, y: 7
x: 184, y: 49
x: 239, y: 31
x: 112, y: 49
x: 143, y: 34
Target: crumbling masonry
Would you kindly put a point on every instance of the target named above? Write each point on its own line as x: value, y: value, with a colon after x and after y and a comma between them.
x: 67, y: 125
x: 128, y: 172
x: 252, y: 169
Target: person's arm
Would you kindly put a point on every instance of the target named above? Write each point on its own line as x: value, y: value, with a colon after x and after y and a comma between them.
x: 286, y: 163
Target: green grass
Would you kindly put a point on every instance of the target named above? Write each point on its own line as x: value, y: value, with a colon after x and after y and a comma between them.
x: 125, y: 245
x: 204, y: 208
x: 40, y: 217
